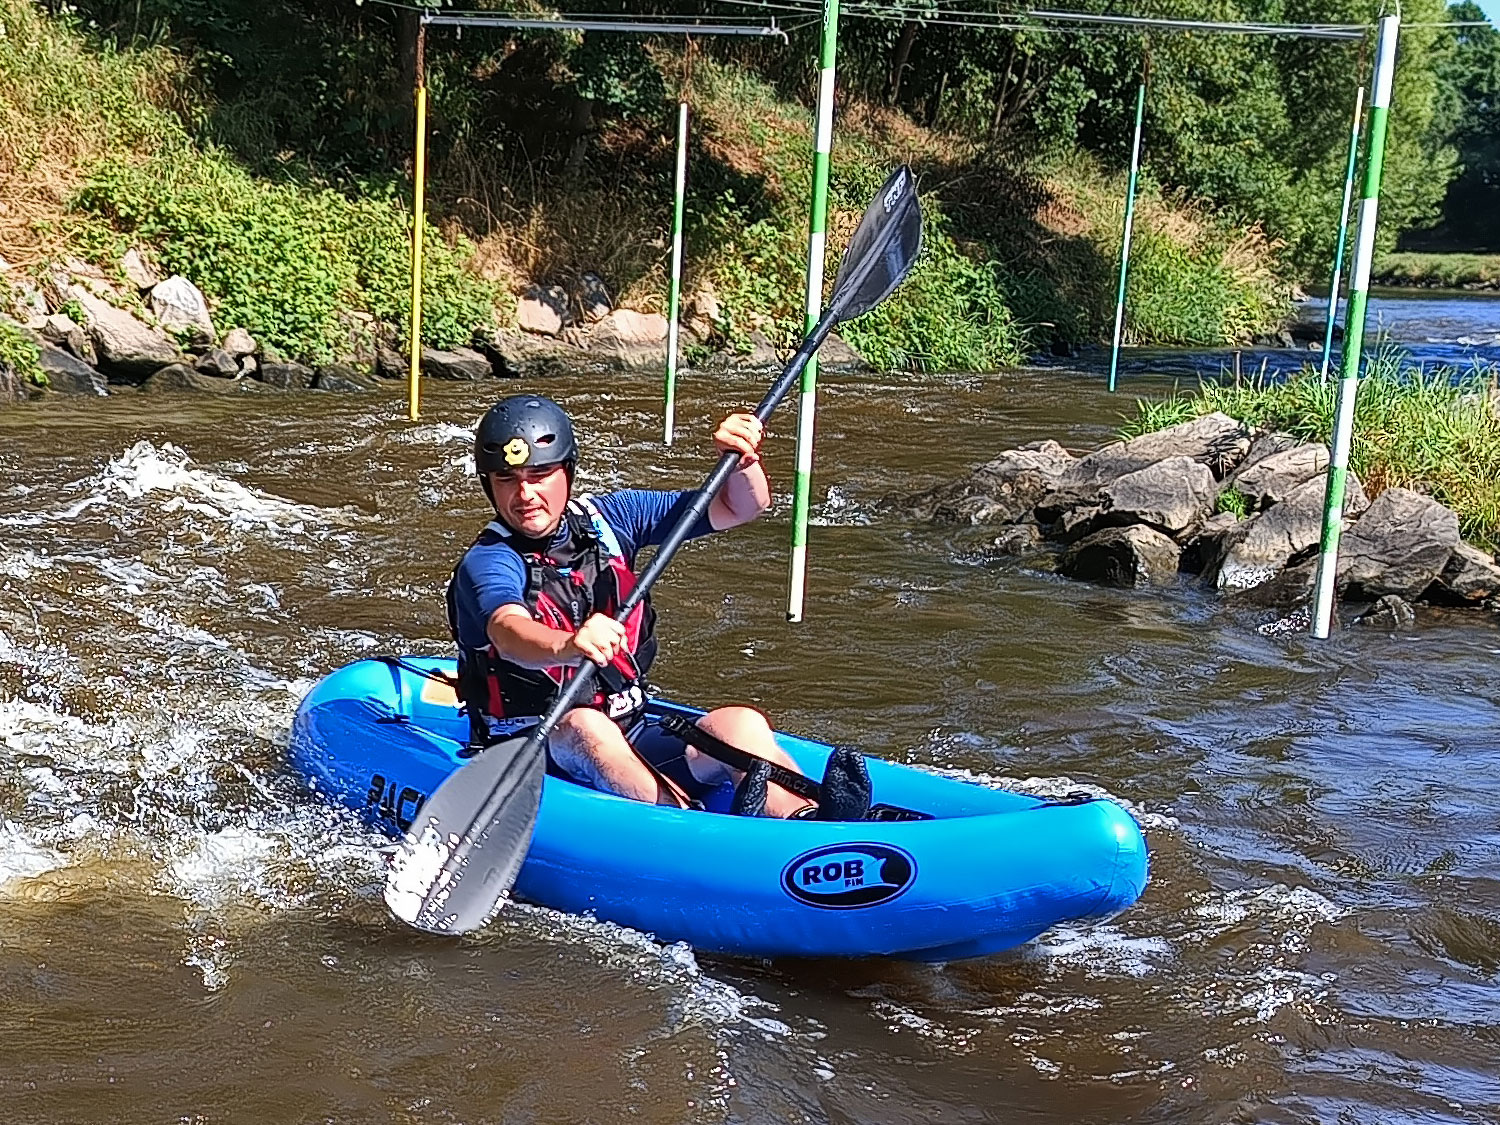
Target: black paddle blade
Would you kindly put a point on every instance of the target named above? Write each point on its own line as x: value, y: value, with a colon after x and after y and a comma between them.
x: 459, y: 858
x: 883, y: 250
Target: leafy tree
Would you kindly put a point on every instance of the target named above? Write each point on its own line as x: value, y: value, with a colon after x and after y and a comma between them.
x: 1467, y: 115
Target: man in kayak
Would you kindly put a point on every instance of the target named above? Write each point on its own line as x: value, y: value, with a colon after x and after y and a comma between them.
x: 536, y: 594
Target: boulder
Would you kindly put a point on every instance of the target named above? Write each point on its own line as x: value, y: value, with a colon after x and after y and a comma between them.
x: 1290, y: 587
x: 1272, y: 479
x: 1073, y: 524
x: 1000, y: 491
x: 60, y: 329
x: 631, y: 338
x: 179, y: 377
x: 762, y: 352
x: 248, y: 365
x: 1400, y: 546
x: 137, y: 270
x: 1280, y: 338
x: 1267, y: 542
x: 460, y: 364
x: 1122, y: 556
x: 239, y: 343
x: 835, y: 355
x: 27, y: 304
x: 69, y: 375
x: 126, y: 347
x: 1265, y: 444
x: 1204, y: 550
x: 703, y: 314
x: 219, y: 363
x: 593, y: 298
x: 543, y: 310
x: 180, y: 307
x: 342, y: 378
x: 1470, y: 576
x: 515, y: 357
x: 286, y: 375
x: 1389, y: 612
x: 1018, y: 539
x: 391, y: 364
x: 1171, y: 495
x: 1215, y: 440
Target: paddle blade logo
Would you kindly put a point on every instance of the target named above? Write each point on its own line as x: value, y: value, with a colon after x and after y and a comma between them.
x: 849, y: 876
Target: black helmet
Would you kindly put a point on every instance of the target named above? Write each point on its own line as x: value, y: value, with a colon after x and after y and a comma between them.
x: 524, y: 431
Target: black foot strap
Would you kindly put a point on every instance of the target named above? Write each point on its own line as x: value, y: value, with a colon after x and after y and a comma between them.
x: 750, y: 796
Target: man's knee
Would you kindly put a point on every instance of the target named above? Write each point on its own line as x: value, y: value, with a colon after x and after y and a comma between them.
x: 587, y: 733
x: 727, y: 722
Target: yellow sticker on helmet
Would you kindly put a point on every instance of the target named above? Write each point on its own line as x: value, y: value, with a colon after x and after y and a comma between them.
x: 516, y: 451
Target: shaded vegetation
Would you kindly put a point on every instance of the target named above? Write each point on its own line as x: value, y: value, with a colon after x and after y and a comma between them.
x: 1441, y: 271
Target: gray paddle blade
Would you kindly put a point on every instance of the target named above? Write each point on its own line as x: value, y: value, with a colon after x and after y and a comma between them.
x: 466, y: 843
x: 883, y: 248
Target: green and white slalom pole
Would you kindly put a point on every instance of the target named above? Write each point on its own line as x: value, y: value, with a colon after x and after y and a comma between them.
x: 1338, y: 257
x: 674, y: 289
x: 817, y: 225
x: 1135, y: 167
x: 1354, y: 328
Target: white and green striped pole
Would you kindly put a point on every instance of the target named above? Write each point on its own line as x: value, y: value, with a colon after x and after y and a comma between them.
x: 1135, y: 167
x: 1354, y: 328
x: 817, y: 225
x: 674, y: 289
x: 1338, y: 257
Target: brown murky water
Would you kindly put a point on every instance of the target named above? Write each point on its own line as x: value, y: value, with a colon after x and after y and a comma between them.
x: 187, y: 936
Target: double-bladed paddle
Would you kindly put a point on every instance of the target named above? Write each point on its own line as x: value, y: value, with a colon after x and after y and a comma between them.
x: 461, y: 855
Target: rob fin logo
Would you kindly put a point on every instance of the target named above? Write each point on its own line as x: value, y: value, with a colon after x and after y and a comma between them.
x: 849, y: 876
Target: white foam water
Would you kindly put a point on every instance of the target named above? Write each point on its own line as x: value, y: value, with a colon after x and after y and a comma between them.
x: 167, y: 477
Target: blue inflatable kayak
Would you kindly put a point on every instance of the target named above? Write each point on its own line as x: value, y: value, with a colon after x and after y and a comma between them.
x: 990, y: 870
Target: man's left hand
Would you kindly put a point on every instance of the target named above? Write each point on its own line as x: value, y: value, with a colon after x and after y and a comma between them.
x: 742, y: 434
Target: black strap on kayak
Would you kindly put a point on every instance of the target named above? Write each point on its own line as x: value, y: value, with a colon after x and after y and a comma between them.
x: 680, y: 726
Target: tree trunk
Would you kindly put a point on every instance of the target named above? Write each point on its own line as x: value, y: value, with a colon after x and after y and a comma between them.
x: 899, y: 60
x: 1010, y: 61
x: 937, y: 102
x: 406, y: 39
x: 581, y: 127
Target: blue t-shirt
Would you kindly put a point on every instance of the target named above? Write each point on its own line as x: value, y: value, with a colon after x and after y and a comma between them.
x: 491, y: 575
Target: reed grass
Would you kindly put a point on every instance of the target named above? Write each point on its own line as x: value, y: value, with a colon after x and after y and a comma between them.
x: 1433, y: 429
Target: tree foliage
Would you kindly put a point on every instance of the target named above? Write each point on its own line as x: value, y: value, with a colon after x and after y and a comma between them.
x: 1254, y: 126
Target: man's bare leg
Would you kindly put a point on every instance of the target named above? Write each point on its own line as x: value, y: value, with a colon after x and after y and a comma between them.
x: 589, y: 745
x: 748, y: 729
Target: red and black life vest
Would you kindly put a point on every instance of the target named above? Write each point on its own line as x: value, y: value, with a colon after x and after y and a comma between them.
x: 585, y: 574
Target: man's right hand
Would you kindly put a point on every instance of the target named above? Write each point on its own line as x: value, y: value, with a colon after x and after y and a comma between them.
x: 600, y: 639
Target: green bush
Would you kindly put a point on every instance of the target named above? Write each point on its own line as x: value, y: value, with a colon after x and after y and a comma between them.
x: 1183, y: 295
x: 280, y: 259
x: 19, y: 352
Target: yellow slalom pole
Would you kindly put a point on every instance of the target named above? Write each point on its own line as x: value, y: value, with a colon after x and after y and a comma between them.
x: 418, y: 222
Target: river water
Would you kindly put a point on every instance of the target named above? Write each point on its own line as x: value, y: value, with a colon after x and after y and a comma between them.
x: 1433, y: 328
x: 188, y: 936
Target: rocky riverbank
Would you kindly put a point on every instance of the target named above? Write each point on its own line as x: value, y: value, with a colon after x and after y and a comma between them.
x: 1215, y: 501
x: 99, y: 332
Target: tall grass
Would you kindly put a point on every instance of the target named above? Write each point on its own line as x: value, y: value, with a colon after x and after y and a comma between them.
x: 1433, y: 429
